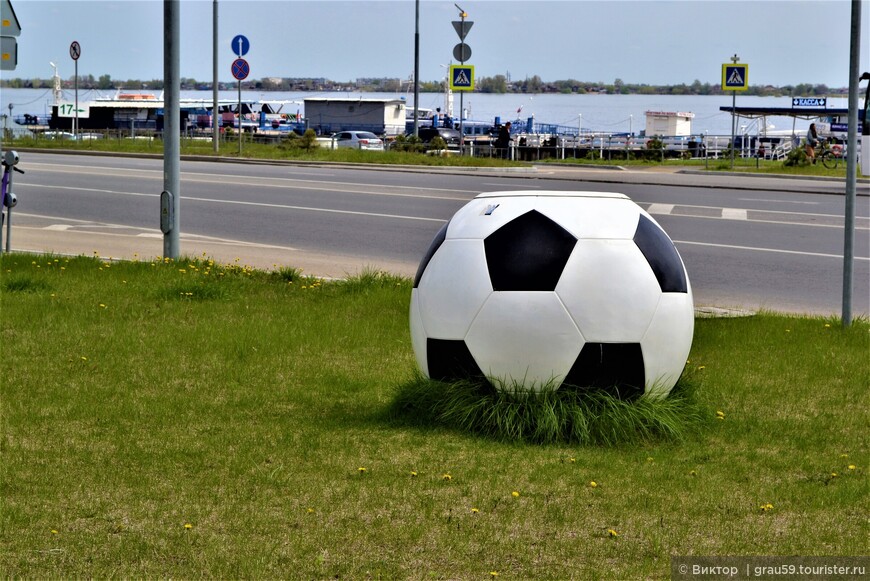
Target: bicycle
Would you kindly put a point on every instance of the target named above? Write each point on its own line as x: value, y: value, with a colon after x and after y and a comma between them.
x: 830, y: 154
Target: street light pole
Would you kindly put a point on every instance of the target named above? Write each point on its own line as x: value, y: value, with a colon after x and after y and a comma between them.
x: 215, y: 124
x: 171, y: 200
x: 416, y: 67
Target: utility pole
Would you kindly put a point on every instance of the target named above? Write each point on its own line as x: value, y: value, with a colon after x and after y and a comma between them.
x: 215, y: 123
x: 416, y: 68
x: 851, y: 163
x: 170, y: 199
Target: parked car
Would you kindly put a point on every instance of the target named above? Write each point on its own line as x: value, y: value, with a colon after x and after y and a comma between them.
x: 450, y: 136
x: 359, y: 140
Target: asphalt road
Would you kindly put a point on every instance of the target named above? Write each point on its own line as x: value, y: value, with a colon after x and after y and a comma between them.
x: 748, y: 242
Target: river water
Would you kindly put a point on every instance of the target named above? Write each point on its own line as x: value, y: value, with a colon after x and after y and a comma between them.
x: 593, y: 112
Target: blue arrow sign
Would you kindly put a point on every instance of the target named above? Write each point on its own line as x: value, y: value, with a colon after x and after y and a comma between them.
x: 240, y: 45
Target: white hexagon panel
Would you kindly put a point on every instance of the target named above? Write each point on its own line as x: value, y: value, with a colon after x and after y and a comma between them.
x: 552, y: 288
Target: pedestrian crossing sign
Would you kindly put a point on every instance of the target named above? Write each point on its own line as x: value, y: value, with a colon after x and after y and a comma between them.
x: 735, y: 77
x: 462, y: 77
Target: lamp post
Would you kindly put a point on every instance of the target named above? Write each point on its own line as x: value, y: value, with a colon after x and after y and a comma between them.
x: 416, y: 68
x: 215, y: 124
x: 55, y: 85
x: 630, y: 119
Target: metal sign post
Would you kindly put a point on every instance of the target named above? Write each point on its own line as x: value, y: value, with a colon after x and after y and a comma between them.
x: 734, y: 78
x: 241, y: 69
x: 75, y: 51
x: 462, y: 52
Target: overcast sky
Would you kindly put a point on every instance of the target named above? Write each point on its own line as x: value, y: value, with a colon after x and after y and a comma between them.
x: 639, y: 41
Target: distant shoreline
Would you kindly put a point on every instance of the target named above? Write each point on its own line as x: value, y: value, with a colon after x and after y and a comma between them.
x: 484, y: 85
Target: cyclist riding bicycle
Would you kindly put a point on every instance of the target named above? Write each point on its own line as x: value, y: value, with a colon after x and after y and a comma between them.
x: 812, y: 142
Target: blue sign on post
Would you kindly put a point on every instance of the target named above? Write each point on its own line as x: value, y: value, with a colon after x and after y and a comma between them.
x: 735, y: 77
x: 462, y: 77
x: 241, y: 69
x: 240, y: 45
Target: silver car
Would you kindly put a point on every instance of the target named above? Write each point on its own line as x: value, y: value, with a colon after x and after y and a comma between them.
x: 359, y: 140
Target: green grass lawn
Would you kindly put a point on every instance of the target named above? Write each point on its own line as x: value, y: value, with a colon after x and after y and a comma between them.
x: 187, y: 419
x: 252, y: 150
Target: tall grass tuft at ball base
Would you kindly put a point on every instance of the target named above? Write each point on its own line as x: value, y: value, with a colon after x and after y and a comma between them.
x: 188, y: 419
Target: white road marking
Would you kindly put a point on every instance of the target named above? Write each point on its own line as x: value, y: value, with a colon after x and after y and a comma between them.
x: 775, y: 250
x: 734, y: 214
x: 777, y: 201
x: 660, y: 208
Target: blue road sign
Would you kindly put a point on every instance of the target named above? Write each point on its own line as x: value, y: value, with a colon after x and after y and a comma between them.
x: 735, y: 77
x: 241, y: 69
x: 462, y: 77
x: 240, y: 45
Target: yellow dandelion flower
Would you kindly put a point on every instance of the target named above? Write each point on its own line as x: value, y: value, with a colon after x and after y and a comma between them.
x: 84, y: 358
x: 834, y: 475
x: 515, y: 494
x: 612, y: 533
x: 593, y: 484
x: 361, y: 469
x: 54, y: 532
x: 413, y: 474
x: 475, y: 510
x: 702, y: 367
x: 188, y: 526
x: 720, y: 415
x: 572, y: 460
x: 310, y: 510
x: 852, y: 466
x: 102, y: 306
x: 766, y: 507
x: 493, y: 573
x: 446, y: 476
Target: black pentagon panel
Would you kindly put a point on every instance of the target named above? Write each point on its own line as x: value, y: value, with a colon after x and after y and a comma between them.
x: 433, y: 248
x: 662, y: 256
x: 615, y: 368
x: 450, y: 360
x: 528, y: 253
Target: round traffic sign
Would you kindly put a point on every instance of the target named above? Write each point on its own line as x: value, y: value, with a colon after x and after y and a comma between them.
x: 240, y: 45
x: 241, y: 69
x: 75, y: 50
x: 462, y: 52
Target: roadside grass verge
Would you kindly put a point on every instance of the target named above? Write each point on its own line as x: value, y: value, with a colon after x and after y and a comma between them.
x: 249, y: 431
x: 252, y: 150
x: 722, y: 164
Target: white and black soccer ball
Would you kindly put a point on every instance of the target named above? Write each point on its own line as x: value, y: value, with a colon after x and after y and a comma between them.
x: 533, y: 289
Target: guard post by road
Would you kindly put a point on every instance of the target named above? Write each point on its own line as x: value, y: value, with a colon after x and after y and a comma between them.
x: 10, y: 200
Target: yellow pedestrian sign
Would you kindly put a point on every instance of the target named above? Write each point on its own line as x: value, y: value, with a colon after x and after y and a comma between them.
x: 462, y: 77
x: 735, y: 77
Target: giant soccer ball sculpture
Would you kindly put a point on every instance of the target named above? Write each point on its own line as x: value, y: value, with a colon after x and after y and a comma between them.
x: 535, y: 289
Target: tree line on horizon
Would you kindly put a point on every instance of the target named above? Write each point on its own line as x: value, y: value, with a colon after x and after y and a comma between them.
x: 498, y: 84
